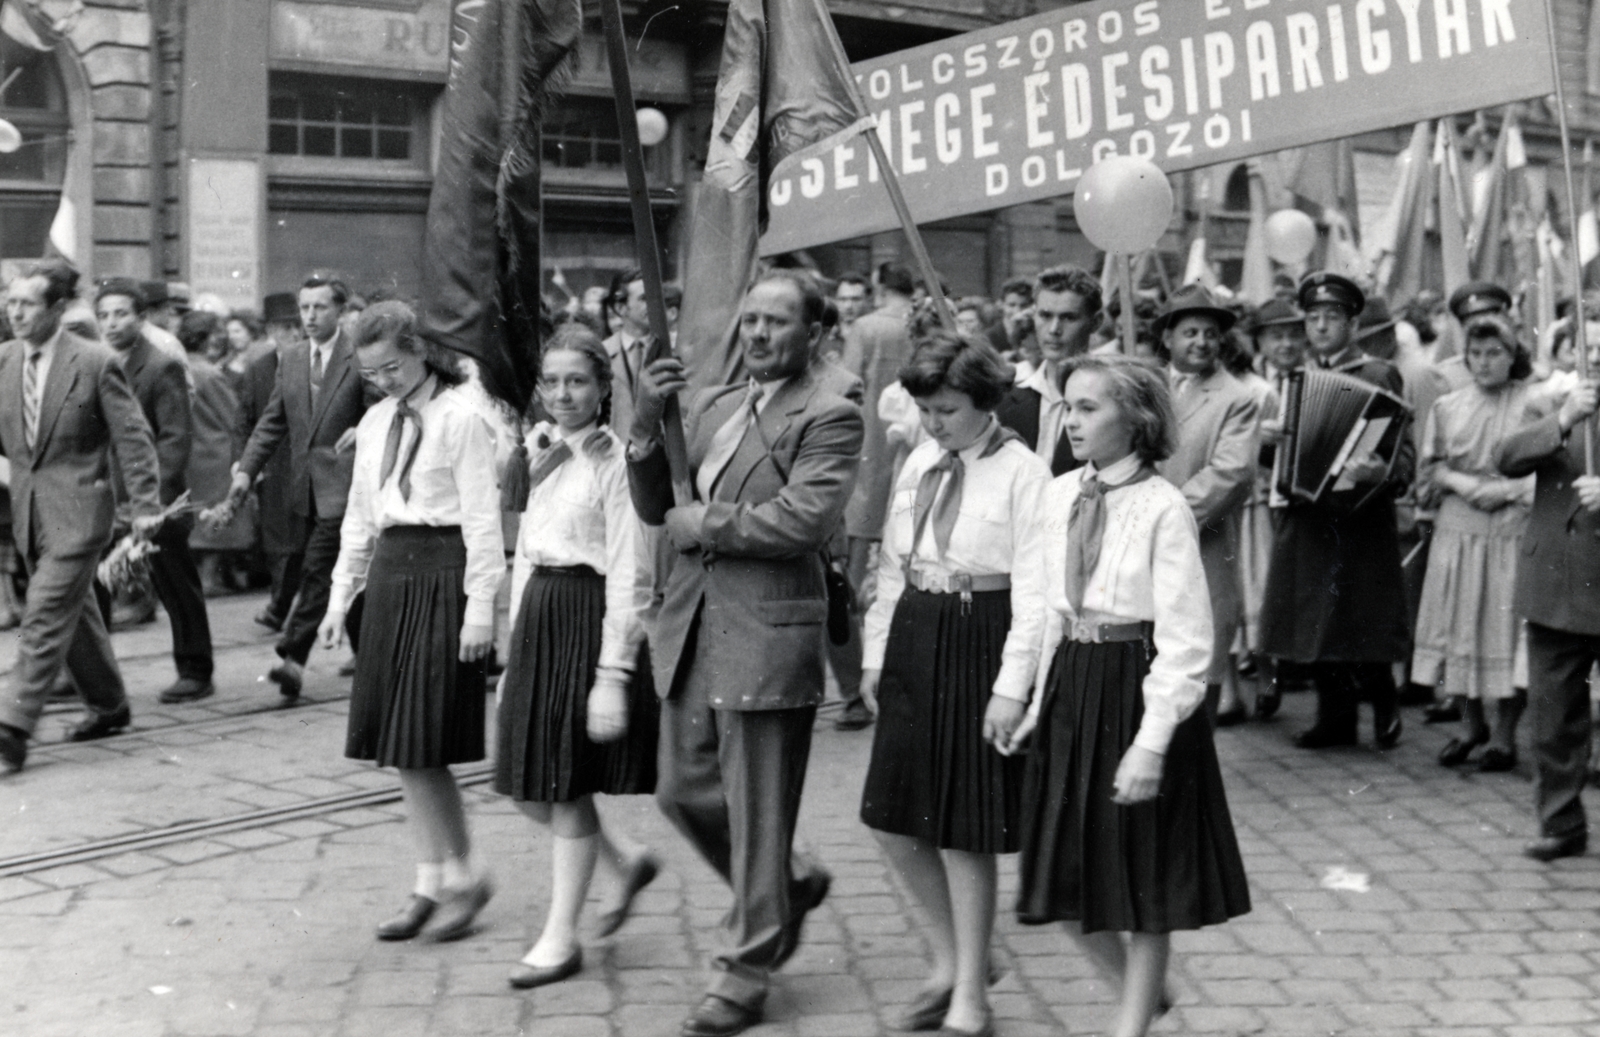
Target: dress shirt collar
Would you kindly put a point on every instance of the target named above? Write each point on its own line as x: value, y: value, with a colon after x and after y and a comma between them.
x: 425, y: 390
x: 974, y: 450
x: 768, y: 391
x: 1346, y: 355
x: 1043, y: 382
x: 576, y: 435
x: 325, y: 348
x: 1116, y: 473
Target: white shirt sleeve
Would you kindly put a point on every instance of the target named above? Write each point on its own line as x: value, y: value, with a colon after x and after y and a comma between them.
x: 628, y: 571
x: 479, y: 494
x: 1020, y: 656
x: 1175, y: 686
x: 359, y: 531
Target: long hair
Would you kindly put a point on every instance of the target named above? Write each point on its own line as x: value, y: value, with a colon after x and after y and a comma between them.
x: 395, y: 321
x: 1141, y: 394
x: 574, y: 337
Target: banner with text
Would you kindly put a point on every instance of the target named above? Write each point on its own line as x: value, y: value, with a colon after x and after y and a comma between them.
x: 1017, y: 112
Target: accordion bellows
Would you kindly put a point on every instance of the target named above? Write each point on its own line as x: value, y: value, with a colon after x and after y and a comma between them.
x: 1329, y: 419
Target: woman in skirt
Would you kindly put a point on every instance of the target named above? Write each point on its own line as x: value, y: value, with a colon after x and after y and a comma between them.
x: 421, y: 534
x: 950, y: 647
x: 578, y: 713
x: 1125, y: 823
x: 1469, y: 641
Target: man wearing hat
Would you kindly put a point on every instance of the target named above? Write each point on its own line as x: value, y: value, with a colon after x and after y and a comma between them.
x: 1214, y: 465
x: 1335, y: 601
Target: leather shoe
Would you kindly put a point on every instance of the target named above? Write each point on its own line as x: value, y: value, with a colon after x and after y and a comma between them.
x: 1456, y: 750
x: 1386, y: 727
x: 1446, y: 712
x: 102, y: 725
x: 927, y: 1012
x: 1268, y: 701
x: 1233, y: 717
x: 986, y: 1030
x: 526, y: 977
x: 1496, y: 759
x: 13, y: 749
x: 458, y: 910
x: 718, y: 1017
x: 1319, y: 737
x: 1550, y: 847
x: 853, y: 717
x: 643, y: 872
x: 187, y: 689
x: 410, y: 919
x: 804, y: 897
x: 269, y: 619
x: 289, y: 677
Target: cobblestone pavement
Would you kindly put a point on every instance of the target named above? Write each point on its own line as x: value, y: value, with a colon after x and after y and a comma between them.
x: 1389, y: 896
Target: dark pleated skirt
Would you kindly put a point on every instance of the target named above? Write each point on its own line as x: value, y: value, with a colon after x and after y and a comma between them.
x: 542, y: 747
x: 932, y: 775
x: 1171, y: 863
x: 413, y: 703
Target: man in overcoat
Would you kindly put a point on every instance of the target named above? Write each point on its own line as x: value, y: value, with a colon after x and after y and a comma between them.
x: 1335, y: 600
x: 738, y: 648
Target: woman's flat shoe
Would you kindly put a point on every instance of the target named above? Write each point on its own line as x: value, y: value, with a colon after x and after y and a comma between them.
x: 459, y: 910
x: 986, y: 1030
x: 1456, y: 751
x: 409, y: 922
x: 643, y: 872
x: 526, y: 977
x: 1233, y: 717
x: 927, y: 1012
x: 1267, y: 702
x: 1495, y: 758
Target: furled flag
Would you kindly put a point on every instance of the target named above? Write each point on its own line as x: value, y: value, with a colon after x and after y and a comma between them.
x: 1452, y: 216
x: 481, y: 276
x: 781, y: 97
x: 1255, y: 280
x: 1588, y: 222
x: 1400, y: 247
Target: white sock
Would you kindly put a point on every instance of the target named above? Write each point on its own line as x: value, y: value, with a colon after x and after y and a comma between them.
x: 429, y: 877
x: 458, y: 873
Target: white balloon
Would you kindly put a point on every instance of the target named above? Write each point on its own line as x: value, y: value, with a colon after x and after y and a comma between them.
x: 1123, y: 204
x: 1291, y: 235
x: 10, y: 138
x: 652, y: 126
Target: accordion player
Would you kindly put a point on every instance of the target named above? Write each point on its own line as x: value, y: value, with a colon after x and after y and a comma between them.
x: 1329, y: 420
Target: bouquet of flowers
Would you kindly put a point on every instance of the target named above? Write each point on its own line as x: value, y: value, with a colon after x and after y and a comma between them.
x: 128, y: 564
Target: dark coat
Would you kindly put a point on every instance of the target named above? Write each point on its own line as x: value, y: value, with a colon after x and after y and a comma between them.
x: 161, y: 385
x: 1334, y: 589
x: 1019, y: 412
x: 1558, y: 573
x: 319, y: 475
x: 755, y: 601
x: 282, y: 531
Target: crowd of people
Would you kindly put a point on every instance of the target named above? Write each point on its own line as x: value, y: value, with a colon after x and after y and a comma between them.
x: 1045, y: 563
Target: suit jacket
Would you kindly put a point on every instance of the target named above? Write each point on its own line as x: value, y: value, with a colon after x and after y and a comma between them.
x: 756, y: 582
x: 319, y: 476
x: 62, y: 501
x: 160, y: 382
x: 282, y: 531
x: 1558, y: 572
x: 1019, y: 412
x: 877, y: 345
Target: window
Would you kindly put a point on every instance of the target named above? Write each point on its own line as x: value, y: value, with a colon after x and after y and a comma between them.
x: 336, y: 117
x: 581, y: 133
x: 34, y: 100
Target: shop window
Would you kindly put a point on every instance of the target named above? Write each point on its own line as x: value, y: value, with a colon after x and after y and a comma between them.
x: 338, y: 117
x: 33, y: 99
x: 581, y: 133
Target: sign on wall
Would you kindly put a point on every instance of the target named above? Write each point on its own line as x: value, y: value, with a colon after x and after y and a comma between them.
x: 409, y: 37
x: 224, y: 230
x: 1017, y: 112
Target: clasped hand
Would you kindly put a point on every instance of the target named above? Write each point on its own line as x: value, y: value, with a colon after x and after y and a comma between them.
x: 1138, y: 777
x: 608, y: 709
x: 662, y: 378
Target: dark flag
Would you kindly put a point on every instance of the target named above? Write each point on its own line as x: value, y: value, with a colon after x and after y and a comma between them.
x: 481, y: 275
x: 781, y: 97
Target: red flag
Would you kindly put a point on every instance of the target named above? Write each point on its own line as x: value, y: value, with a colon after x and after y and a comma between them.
x: 1403, y: 247
x: 781, y: 98
x: 481, y: 278
x: 1452, y: 217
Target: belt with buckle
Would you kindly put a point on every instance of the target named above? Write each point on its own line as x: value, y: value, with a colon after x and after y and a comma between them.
x: 1103, y: 633
x: 958, y: 583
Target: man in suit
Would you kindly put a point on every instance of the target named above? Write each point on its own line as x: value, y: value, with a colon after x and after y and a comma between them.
x: 160, y: 384
x: 67, y: 408
x: 1214, y: 466
x: 1335, y: 598
x: 738, y: 647
x: 628, y: 345
x: 283, y: 533
x: 316, y: 404
x: 1066, y: 310
x: 1558, y: 593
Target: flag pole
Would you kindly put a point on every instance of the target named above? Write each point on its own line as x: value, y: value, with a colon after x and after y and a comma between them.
x: 919, y: 250
x: 1578, y: 319
x: 645, y: 245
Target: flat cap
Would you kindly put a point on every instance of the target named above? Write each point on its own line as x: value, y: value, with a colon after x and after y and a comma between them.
x: 1477, y: 297
x: 1321, y: 287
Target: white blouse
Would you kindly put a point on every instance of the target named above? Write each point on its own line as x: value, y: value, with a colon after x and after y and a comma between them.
x: 452, y: 484
x: 996, y: 530
x: 582, y: 515
x: 1149, y: 570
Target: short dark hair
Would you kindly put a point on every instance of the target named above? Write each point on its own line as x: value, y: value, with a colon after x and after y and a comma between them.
x: 813, y: 304
x: 394, y: 320
x: 1074, y: 279
x: 124, y: 286
x: 1141, y: 393
x: 1498, y: 327
x: 196, y: 329
x: 322, y: 279
x: 251, y: 321
x: 895, y: 277
x: 852, y: 278
x: 1017, y: 286
x: 60, y: 279
x: 672, y: 296
x: 617, y: 294
x: 578, y: 337
x: 943, y: 359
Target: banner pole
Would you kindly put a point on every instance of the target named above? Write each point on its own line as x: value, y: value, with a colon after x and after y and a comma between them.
x: 919, y: 250
x: 1578, y: 320
x: 645, y: 245
x: 1124, y: 263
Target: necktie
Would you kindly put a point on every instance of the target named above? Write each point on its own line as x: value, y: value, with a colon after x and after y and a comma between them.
x: 316, y: 373
x: 1086, y: 527
x: 946, y: 508
x: 391, y: 448
x: 725, y: 443
x: 551, y: 458
x: 30, y: 397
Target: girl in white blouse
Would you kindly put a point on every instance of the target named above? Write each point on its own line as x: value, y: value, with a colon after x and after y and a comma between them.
x: 1125, y: 822
x: 950, y: 645
x: 421, y: 535
x: 578, y: 713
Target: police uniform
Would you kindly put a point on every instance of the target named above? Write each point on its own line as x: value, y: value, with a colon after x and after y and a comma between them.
x: 1334, y: 597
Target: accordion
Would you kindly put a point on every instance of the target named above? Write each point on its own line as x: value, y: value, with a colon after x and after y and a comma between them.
x: 1330, y: 419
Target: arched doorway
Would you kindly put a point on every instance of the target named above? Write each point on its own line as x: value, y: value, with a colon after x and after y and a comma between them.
x: 33, y: 98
